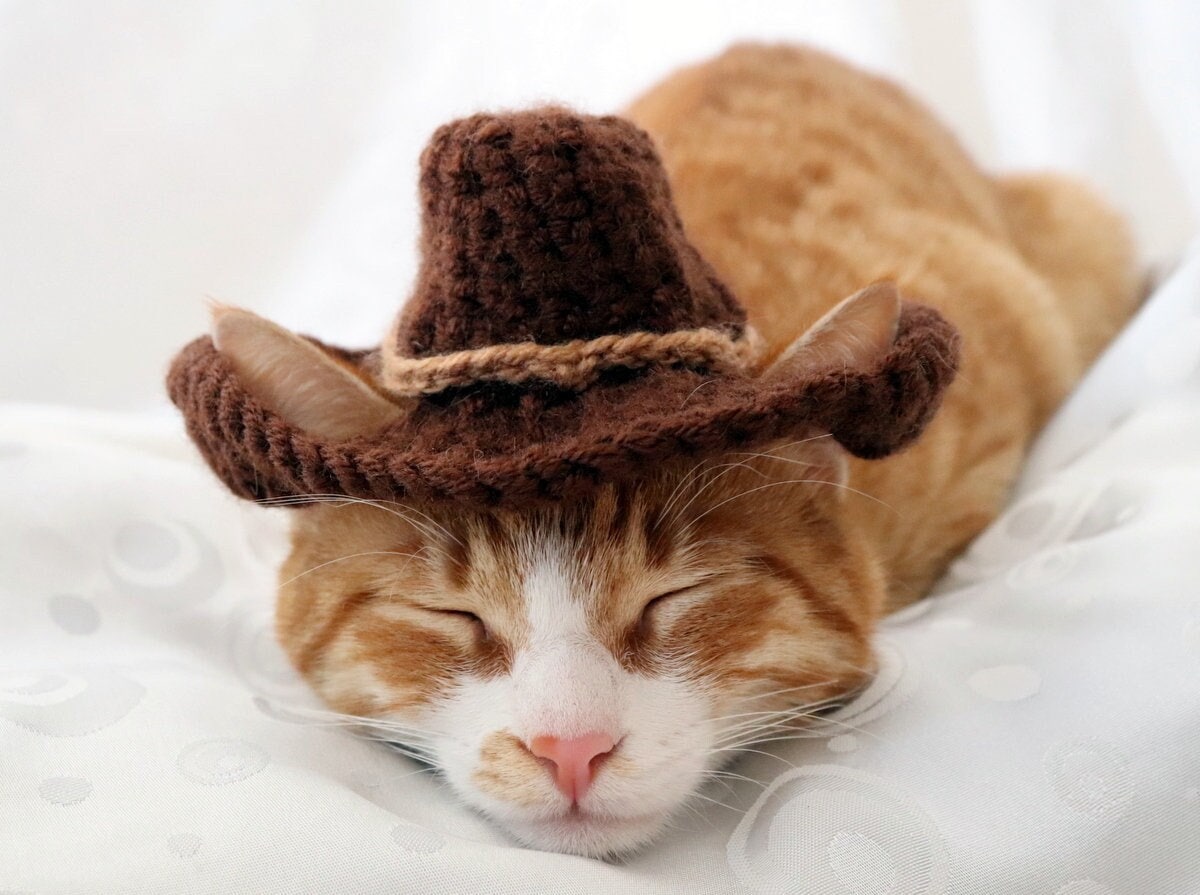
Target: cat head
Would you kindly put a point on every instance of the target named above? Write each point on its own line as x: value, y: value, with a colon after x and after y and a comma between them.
x: 576, y: 670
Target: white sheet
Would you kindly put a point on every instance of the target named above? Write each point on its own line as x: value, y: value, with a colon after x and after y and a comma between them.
x: 1036, y: 729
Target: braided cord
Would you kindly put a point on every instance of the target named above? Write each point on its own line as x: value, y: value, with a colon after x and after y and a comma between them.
x: 573, y: 365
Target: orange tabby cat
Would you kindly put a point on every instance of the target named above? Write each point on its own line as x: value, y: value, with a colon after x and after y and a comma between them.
x: 577, y: 672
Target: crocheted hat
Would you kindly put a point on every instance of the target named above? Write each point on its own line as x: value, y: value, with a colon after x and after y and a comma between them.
x: 563, y: 333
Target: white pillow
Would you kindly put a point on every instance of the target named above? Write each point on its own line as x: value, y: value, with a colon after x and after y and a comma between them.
x: 1036, y: 728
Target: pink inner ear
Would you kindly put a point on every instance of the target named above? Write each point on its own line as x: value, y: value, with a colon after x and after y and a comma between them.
x: 297, y: 379
x: 854, y: 335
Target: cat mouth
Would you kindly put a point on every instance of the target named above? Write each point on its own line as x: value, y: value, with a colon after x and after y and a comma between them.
x: 591, y: 833
x: 598, y: 821
x: 582, y: 817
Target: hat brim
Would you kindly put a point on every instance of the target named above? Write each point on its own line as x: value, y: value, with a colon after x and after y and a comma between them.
x: 515, y: 447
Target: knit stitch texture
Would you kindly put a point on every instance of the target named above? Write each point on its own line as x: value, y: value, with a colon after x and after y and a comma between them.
x: 547, y: 227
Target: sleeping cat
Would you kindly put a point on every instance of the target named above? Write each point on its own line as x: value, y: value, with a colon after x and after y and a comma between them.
x: 577, y: 670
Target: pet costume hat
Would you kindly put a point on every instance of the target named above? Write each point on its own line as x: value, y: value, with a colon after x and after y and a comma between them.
x: 562, y: 334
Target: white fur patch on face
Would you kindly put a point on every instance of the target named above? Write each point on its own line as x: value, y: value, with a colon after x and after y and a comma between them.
x: 564, y: 683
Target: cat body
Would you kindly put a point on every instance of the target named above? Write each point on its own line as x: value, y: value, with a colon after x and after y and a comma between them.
x: 801, y: 178
x: 578, y: 671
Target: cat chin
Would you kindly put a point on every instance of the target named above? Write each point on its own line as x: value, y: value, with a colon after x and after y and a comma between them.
x: 591, y: 836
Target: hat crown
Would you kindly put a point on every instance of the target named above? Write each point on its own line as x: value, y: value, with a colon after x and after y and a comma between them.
x: 549, y: 226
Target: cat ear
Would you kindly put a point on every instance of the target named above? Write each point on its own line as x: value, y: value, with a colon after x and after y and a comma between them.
x: 295, y: 378
x: 855, y: 335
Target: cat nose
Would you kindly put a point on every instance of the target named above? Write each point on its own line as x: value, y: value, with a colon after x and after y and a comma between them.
x: 573, y: 759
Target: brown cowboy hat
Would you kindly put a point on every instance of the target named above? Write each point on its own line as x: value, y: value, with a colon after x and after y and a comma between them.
x: 563, y: 333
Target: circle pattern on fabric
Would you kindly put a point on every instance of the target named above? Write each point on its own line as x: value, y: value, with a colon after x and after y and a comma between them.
x: 1030, y: 519
x: 146, y: 547
x: 32, y: 684
x: 185, y: 845
x: 221, y: 761
x: 71, y: 705
x: 825, y: 829
x: 417, y: 840
x: 163, y: 563
x: 1005, y: 683
x: 1090, y: 776
x: 1033, y: 524
x: 1045, y: 568
x: 74, y: 614
x: 65, y: 790
x: 894, y: 683
x: 1116, y: 505
x: 861, y: 865
x: 1038, y: 530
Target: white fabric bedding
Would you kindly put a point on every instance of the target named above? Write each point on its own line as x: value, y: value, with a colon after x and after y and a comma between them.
x: 1036, y: 728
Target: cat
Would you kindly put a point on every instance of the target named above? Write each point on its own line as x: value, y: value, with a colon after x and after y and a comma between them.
x: 577, y: 672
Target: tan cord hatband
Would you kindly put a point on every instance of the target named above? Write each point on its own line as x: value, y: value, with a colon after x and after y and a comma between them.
x: 574, y: 364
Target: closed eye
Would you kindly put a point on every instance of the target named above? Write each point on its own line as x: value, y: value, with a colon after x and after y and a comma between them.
x: 658, y: 602
x: 467, y: 617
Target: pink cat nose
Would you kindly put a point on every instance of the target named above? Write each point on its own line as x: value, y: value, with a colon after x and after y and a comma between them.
x: 572, y: 759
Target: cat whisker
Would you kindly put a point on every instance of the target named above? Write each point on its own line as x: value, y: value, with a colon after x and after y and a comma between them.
x: 409, y: 556
x: 724, y: 776
x: 760, y: 724
x: 808, y: 709
x: 390, y: 737
x: 326, y: 718
x: 695, y: 812
x: 755, y: 731
x: 793, y: 482
x: 396, y: 778
x: 725, y: 469
x: 697, y: 470
x: 794, y: 689
x: 770, y: 456
x: 780, y: 692
x: 352, y: 722
x: 404, y: 739
x: 771, y: 453
x: 817, y: 731
x: 799, y: 441
x: 746, y: 751
x: 410, y: 737
x: 406, y: 747
x: 439, y: 526
x: 430, y: 528
x: 718, y: 802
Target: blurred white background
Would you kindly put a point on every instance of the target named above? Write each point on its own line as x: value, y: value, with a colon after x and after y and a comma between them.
x: 264, y: 153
